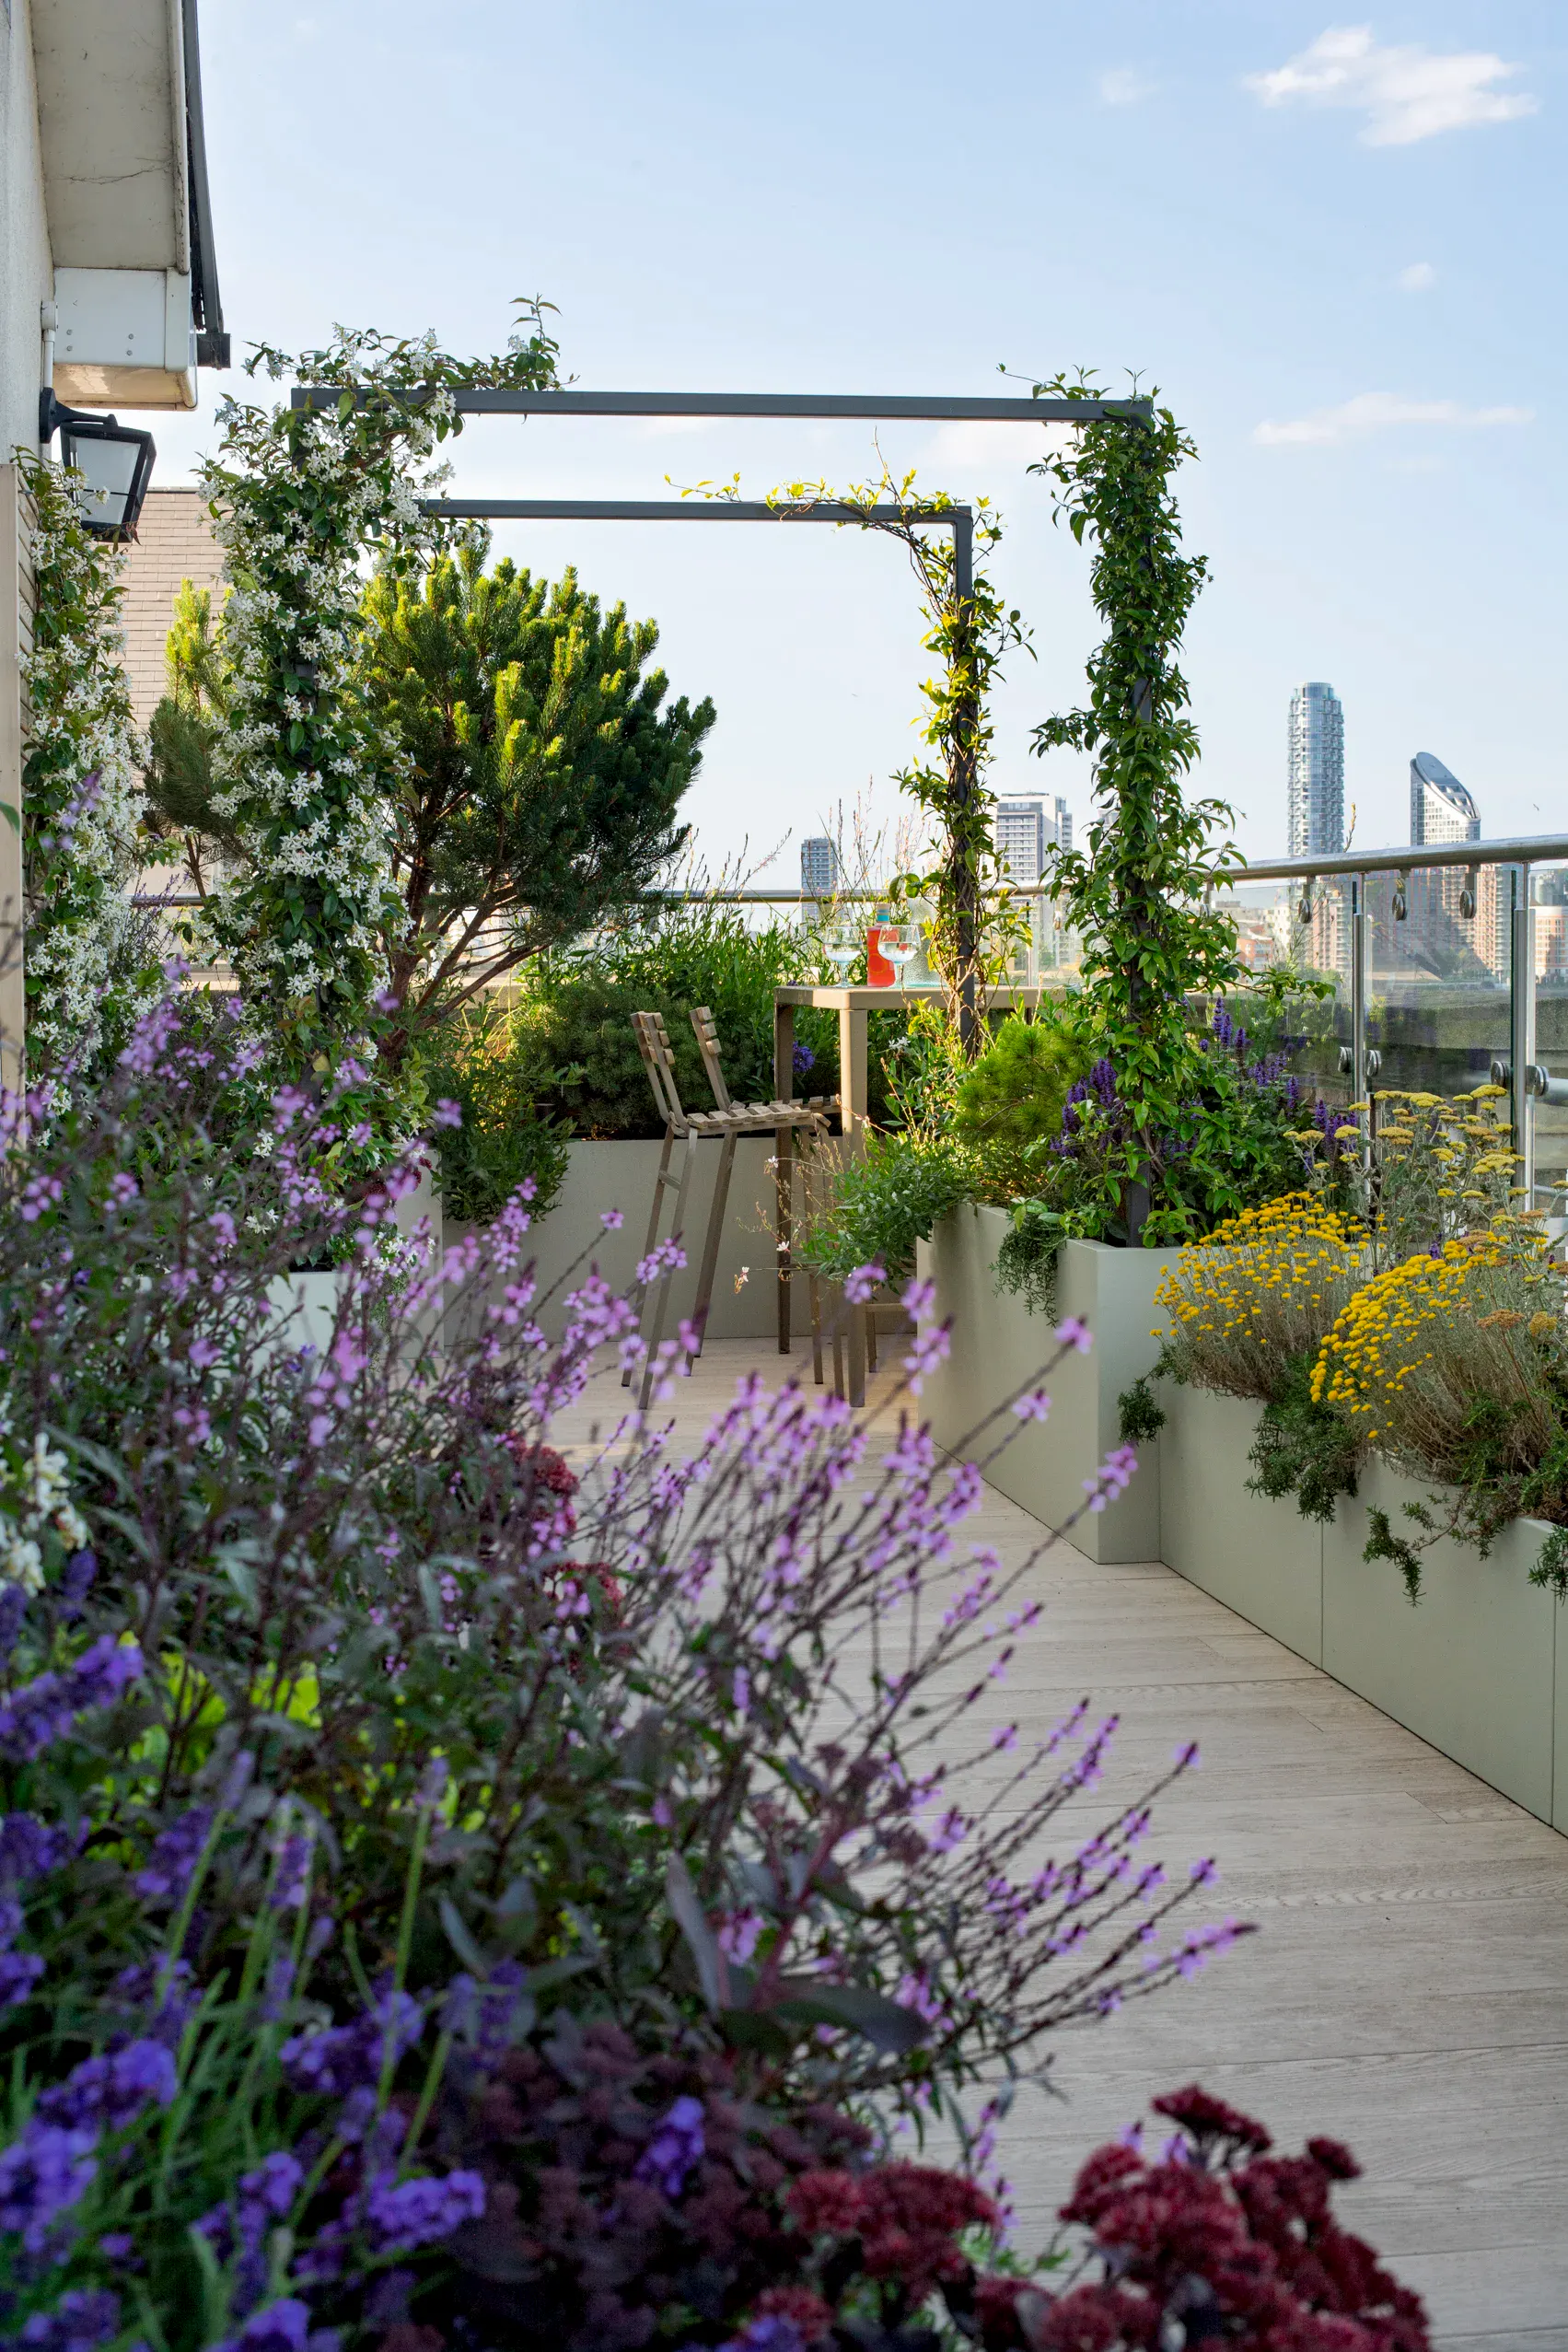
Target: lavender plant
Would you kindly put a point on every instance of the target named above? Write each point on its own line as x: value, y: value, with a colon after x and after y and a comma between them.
x: 709, y: 1751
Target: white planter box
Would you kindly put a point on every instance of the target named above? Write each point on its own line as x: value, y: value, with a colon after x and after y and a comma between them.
x: 620, y: 1176
x: 1479, y: 1668
x: 1262, y: 1558
x: 1476, y: 1667
x: 998, y: 1346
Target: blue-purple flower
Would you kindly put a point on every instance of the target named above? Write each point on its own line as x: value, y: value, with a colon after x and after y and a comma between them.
x: 675, y: 2149
x: 83, y: 2318
x: 406, y: 2214
x: 45, y: 1709
x: 172, y: 1862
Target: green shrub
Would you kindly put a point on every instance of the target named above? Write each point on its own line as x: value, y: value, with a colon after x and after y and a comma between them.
x: 570, y: 1035
x: 503, y: 1140
x: 883, y: 1202
x: 1012, y: 1098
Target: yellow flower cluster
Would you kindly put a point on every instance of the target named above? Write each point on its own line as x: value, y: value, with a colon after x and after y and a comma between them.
x: 1412, y: 1351
x: 1266, y: 1284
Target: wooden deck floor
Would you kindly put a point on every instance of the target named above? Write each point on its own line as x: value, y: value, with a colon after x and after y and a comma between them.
x: 1409, y: 1991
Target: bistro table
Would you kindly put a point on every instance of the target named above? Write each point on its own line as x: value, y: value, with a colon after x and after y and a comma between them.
x: 851, y: 1005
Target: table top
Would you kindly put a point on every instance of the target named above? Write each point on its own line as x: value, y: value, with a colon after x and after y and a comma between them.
x: 841, y: 999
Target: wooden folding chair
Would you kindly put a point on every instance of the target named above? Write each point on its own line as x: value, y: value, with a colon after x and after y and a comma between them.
x: 723, y: 1125
x: 807, y: 1116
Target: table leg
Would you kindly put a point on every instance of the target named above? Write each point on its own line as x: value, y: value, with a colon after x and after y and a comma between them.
x: 783, y: 1164
x: 853, y: 1084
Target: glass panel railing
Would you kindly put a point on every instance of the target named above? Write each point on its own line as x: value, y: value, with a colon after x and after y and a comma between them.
x: 1438, y: 974
x: 1551, y: 895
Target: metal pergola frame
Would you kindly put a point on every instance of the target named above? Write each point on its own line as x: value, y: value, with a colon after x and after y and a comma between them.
x: 928, y: 408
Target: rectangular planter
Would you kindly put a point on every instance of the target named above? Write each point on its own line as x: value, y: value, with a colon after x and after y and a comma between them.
x: 604, y: 1176
x: 998, y: 1346
x: 1478, y: 1667
x: 1475, y: 1667
x: 1262, y: 1558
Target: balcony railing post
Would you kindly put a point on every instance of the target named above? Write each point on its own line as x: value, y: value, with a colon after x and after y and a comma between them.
x: 1521, y: 1030
x: 1358, y: 987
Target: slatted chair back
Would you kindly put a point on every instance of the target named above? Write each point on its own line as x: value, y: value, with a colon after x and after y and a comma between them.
x: 707, y: 1031
x: 658, y: 1060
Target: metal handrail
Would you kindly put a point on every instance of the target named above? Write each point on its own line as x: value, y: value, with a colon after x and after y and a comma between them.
x: 1531, y: 849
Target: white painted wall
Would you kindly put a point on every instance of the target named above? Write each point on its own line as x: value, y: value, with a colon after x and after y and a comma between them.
x: 27, y: 274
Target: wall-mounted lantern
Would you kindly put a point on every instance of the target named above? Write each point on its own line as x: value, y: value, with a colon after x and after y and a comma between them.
x: 113, y: 462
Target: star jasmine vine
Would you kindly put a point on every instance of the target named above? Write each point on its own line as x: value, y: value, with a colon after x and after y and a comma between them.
x: 298, y: 498
x: 85, y: 984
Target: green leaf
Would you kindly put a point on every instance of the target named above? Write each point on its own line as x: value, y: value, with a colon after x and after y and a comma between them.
x: 889, y: 2027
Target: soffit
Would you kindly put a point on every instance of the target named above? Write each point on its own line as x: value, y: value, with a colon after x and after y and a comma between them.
x: 111, y: 125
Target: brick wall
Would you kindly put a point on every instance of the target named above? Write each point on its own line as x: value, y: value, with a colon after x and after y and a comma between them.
x: 175, y: 542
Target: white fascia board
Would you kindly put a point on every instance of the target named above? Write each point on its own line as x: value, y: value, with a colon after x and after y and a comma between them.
x: 124, y: 337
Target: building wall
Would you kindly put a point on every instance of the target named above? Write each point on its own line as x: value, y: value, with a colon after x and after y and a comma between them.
x: 175, y: 542
x: 27, y: 270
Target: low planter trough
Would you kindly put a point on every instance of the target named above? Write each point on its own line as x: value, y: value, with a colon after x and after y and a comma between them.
x: 998, y: 1346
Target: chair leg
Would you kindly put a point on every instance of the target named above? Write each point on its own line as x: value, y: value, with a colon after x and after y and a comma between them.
x: 783, y: 1165
x: 660, y: 1180
x: 814, y: 1291
x: 658, y: 1301
x: 871, y: 1339
x: 858, y: 1316
x: 711, y: 1246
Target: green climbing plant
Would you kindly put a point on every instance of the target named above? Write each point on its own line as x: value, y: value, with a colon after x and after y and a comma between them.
x: 973, y: 924
x: 304, y: 770
x: 1136, y: 890
x: 90, y: 967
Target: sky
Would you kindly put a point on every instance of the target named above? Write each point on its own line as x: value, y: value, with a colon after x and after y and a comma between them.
x: 1332, y: 243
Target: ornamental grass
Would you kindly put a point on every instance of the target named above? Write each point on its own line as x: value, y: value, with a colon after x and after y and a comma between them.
x: 1263, y: 1287
x: 1426, y: 1169
x: 1455, y: 1365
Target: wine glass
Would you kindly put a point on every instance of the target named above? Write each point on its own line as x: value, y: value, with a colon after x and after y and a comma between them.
x: 899, y: 943
x: 842, y: 943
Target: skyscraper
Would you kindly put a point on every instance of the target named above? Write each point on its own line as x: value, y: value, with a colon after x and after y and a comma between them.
x: 1021, y: 834
x: 1439, y: 936
x: 818, y: 867
x: 1063, y: 824
x: 1317, y: 786
x: 1441, y: 809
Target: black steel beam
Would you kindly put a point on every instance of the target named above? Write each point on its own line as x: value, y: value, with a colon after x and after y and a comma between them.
x: 687, y: 510
x: 479, y: 401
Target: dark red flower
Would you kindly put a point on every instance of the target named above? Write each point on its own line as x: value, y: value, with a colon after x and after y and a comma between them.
x: 798, y: 2304
x: 1332, y: 2157
x: 1207, y: 2118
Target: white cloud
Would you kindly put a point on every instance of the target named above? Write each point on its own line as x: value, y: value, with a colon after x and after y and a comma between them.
x: 995, y: 441
x: 1418, y: 278
x: 1373, y: 412
x: 1406, y: 93
x: 1122, y: 86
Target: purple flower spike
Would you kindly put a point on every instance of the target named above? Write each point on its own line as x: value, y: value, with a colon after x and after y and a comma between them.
x: 172, y: 1863
x: 675, y: 2151
x: 407, y: 2214
x: 80, y: 2322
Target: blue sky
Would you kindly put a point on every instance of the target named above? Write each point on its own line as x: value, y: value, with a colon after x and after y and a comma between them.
x: 1333, y: 241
